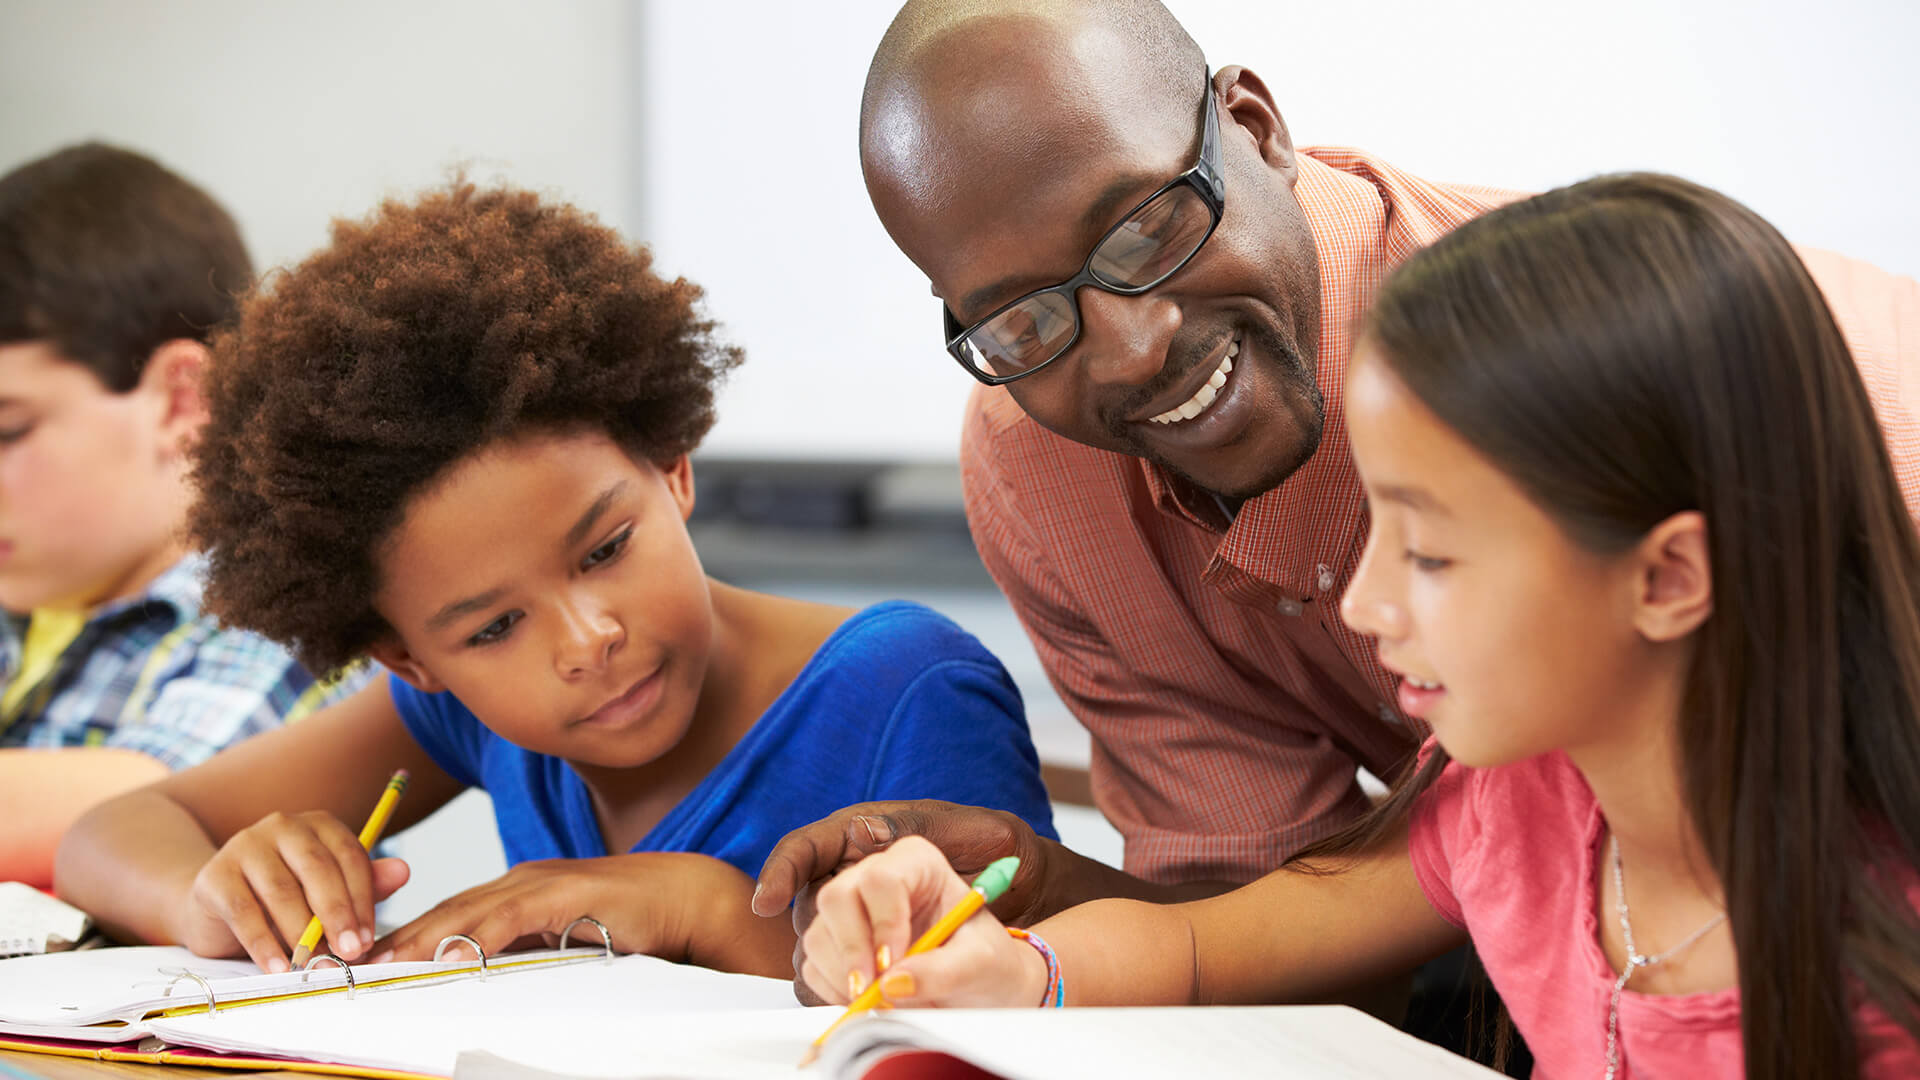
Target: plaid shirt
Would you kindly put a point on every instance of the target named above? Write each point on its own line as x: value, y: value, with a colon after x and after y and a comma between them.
x: 155, y: 674
x: 1228, y: 702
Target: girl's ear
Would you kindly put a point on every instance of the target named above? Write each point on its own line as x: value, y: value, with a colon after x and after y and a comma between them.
x: 393, y: 655
x: 1673, y: 578
x: 678, y: 475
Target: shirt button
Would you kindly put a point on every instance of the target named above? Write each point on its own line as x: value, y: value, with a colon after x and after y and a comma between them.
x: 1289, y: 606
x: 1326, y: 577
x: 1389, y: 716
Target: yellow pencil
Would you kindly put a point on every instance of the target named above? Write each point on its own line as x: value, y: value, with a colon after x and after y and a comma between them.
x: 986, y: 888
x: 369, y: 833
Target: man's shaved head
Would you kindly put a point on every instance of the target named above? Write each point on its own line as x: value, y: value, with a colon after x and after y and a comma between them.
x: 1001, y: 139
x: 1161, y: 62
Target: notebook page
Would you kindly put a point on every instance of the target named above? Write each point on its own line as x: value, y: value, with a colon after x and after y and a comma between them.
x: 92, y: 985
x: 612, y: 1006
x: 61, y: 994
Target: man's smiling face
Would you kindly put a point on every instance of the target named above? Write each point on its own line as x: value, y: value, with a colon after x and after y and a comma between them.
x: 997, y: 178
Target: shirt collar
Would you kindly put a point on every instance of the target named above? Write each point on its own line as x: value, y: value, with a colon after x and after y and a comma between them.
x: 178, y: 589
x: 1313, y: 522
x: 174, y: 596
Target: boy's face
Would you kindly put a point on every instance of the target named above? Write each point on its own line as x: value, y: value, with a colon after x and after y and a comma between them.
x: 548, y: 581
x: 92, y: 489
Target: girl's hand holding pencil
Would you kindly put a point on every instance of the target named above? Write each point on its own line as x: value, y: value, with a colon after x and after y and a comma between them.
x: 870, y: 914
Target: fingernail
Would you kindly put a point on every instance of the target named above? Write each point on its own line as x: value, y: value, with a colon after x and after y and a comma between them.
x: 900, y: 984
x: 879, y: 830
x: 384, y: 956
x: 277, y: 965
x: 855, y: 984
x: 349, y: 943
x: 755, y: 902
x: 883, y: 958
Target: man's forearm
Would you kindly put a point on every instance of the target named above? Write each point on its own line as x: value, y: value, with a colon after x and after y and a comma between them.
x: 1073, y: 879
x: 43, y: 792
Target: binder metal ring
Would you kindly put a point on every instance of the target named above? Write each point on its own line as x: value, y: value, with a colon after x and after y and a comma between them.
x: 456, y: 939
x: 344, y: 970
x: 606, y: 939
x: 205, y: 986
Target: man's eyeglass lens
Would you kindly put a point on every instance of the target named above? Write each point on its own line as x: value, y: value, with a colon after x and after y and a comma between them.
x: 1136, y: 255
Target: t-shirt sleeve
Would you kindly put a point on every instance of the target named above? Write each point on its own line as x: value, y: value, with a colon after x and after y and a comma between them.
x: 958, y: 733
x: 1442, y: 826
x: 443, y: 727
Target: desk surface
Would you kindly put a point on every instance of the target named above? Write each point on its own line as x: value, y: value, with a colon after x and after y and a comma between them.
x: 54, y: 1067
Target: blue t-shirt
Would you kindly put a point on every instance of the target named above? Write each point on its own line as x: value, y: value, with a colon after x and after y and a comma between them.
x: 898, y: 703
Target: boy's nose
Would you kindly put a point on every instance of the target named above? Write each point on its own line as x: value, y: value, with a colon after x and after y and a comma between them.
x: 589, y: 641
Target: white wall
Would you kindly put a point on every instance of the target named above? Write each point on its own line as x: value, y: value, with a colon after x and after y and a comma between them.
x: 293, y: 113
x: 724, y: 133
x: 754, y: 187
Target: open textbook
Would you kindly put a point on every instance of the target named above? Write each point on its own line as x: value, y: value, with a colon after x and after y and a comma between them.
x: 581, y: 1015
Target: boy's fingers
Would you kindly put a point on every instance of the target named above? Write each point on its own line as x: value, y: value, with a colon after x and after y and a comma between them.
x: 356, y: 873
x: 322, y: 884
x: 231, y: 897
x: 420, y: 938
x: 388, y: 875
x: 280, y: 896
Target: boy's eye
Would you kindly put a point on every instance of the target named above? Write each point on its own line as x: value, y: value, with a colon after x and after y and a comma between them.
x: 606, y: 552
x: 14, y: 434
x: 495, y: 630
x: 1427, y: 563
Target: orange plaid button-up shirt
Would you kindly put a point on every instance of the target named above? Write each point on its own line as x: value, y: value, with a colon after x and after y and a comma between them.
x: 1228, y: 703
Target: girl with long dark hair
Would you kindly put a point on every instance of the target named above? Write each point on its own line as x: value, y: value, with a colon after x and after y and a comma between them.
x: 1638, y: 554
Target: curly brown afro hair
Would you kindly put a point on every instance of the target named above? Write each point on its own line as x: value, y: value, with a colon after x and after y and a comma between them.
x: 415, y: 339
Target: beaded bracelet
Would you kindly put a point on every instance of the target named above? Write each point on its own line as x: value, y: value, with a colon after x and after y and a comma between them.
x: 1056, y: 988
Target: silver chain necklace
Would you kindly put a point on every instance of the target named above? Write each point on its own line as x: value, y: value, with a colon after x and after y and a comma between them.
x: 1635, y: 960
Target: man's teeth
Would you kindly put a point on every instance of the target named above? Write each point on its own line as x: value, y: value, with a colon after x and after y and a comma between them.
x: 1420, y: 684
x: 1196, y: 404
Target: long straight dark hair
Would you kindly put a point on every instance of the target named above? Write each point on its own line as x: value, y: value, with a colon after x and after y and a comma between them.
x: 1636, y: 346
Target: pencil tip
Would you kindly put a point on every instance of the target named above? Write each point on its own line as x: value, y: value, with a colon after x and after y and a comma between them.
x: 812, y: 1055
x: 300, y: 955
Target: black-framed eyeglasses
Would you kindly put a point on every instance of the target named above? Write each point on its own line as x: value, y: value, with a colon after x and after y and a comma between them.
x: 1149, y: 245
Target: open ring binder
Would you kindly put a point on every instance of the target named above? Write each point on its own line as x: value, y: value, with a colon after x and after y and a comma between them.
x: 344, y: 970
x: 606, y: 939
x: 440, y: 950
x: 205, y: 986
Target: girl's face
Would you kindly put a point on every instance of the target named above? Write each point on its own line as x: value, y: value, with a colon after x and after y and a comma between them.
x: 1509, y: 639
x: 548, y: 581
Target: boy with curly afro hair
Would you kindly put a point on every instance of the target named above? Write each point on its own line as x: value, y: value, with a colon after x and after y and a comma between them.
x: 455, y: 440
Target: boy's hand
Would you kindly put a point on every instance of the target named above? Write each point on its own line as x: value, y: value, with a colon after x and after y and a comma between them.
x: 866, y: 918
x: 676, y: 905
x: 259, y: 891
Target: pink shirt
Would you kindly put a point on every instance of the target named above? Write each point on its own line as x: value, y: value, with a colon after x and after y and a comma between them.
x: 1509, y: 854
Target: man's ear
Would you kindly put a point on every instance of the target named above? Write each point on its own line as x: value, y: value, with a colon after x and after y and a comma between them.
x: 392, y: 654
x: 174, y: 378
x: 1251, y: 107
x: 1673, y: 578
x: 678, y: 475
